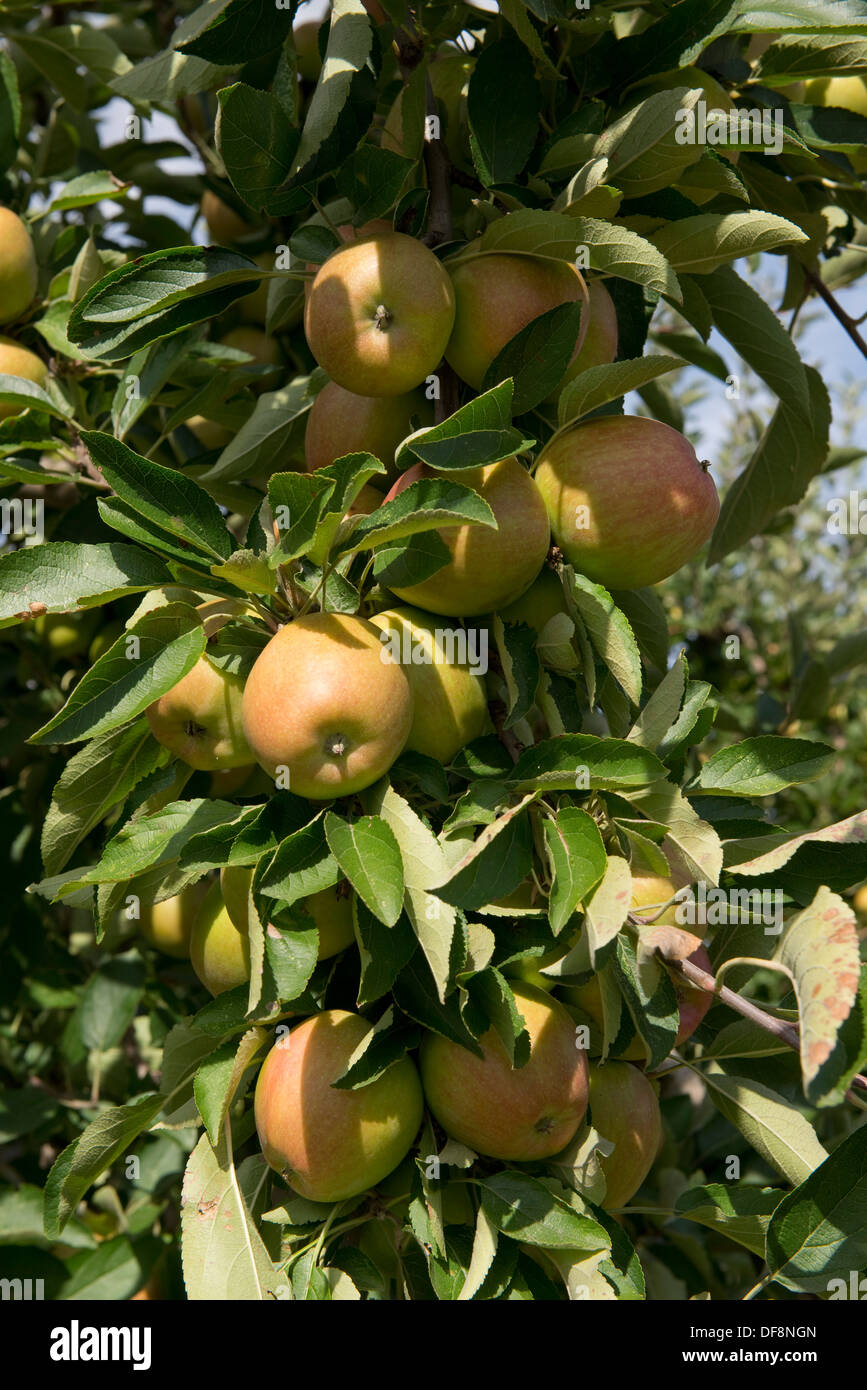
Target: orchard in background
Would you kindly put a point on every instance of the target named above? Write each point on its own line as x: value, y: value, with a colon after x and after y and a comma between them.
x: 415, y: 857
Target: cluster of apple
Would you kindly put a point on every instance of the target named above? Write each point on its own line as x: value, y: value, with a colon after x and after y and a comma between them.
x: 326, y: 713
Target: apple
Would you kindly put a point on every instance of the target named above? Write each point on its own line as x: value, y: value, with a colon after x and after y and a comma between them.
x: 859, y: 902
x: 224, y: 224
x: 168, y: 925
x: 324, y: 703
x: 449, y: 703
x: 600, y: 341
x: 341, y: 423
x: 543, y: 602
x: 219, y: 951
x: 306, y: 39
x: 19, y: 273
x: 105, y: 638
x: 199, y: 719
x: 264, y: 351
x: 253, y: 308
x: 331, y: 1144
x: 19, y: 361
x: 850, y: 93
x: 624, y: 1109
x: 331, y: 909
x: 628, y: 500
x: 498, y: 295
x: 379, y: 314
x: 487, y: 568
x: 209, y: 434
x: 648, y: 891
x: 512, y: 1114
x: 66, y: 635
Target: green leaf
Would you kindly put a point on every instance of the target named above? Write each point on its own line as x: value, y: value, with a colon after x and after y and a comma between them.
x: 82, y: 1161
x: 10, y: 112
x: 578, y: 862
x: 754, y: 331
x: 699, y: 245
x: 219, y: 1076
x: 608, y: 630
x: 266, y: 434
x: 477, y: 434
x: 340, y: 91
x: 156, y: 295
x: 143, y: 664
x: 743, y: 1214
x: 162, y: 495
x: 596, y: 386
x: 369, y: 856
x: 372, y: 181
x: 583, y: 762
x: 26, y: 395
x: 818, y: 1233
x: 388, y: 1042
x: 423, y: 506
x: 109, y: 1002
x: 98, y: 777
x: 764, y: 766
x: 774, y: 1127
x: 789, y: 455
x: 537, y: 357
x: 157, y: 840
x: 643, y: 150
x: 256, y: 140
x: 224, y: 1255
x: 87, y: 189
x: 66, y: 576
x: 241, y: 31
x: 502, y: 133
x: 491, y: 993
x: 522, y: 1207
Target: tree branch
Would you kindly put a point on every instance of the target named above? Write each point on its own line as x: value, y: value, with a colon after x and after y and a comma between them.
x: 700, y: 979
x: 847, y: 323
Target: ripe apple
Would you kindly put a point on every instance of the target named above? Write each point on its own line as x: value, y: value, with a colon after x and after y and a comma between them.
x: 19, y: 272
x: 544, y: 601
x: 331, y: 909
x: 850, y: 93
x: 225, y: 225
x: 264, y: 351
x: 498, y: 295
x: 16, y: 360
x: 624, y: 1109
x: 331, y: 1144
x: 379, y: 314
x: 199, y: 719
x: 219, y: 952
x: 305, y: 36
x: 168, y: 925
x: 520, y: 1115
x: 66, y: 635
x: 600, y: 341
x: 859, y: 902
x: 324, y: 702
x: 253, y: 308
x: 341, y: 423
x: 628, y: 500
x: 450, y: 708
x: 488, y: 568
x: 209, y: 434
x: 648, y: 890
x: 105, y: 638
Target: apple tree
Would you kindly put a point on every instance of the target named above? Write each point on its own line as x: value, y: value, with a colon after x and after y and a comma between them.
x: 427, y: 879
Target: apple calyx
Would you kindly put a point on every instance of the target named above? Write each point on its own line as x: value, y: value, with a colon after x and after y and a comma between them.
x: 194, y: 730
x: 336, y: 745
x: 382, y: 317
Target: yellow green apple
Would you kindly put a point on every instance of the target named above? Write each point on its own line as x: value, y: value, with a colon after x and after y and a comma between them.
x: 515, y: 1114
x: 379, y: 314
x: 331, y: 1144
x: 341, y: 423
x: 168, y: 925
x: 18, y: 270
x: 488, y: 568
x: 624, y: 1109
x: 199, y: 719
x: 449, y: 704
x: 628, y: 499
x: 324, y: 704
